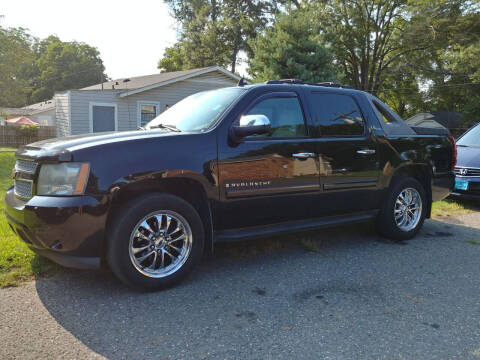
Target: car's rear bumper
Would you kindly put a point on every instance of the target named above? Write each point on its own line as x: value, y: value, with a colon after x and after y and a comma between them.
x: 473, y: 190
x: 67, y: 230
x: 465, y: 195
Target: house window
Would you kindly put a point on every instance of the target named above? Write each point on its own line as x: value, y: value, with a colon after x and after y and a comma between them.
x: 147, y: 111
x: 103, y: 117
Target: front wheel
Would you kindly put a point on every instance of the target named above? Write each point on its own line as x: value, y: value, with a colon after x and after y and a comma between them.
x: 155, y: 241
x: 403, y: 213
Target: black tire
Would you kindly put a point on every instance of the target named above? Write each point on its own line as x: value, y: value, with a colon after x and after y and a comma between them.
x: 120, y: 230
x: 386, y: 224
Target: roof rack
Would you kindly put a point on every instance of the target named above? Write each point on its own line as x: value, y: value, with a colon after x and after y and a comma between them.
x: 301, y: 82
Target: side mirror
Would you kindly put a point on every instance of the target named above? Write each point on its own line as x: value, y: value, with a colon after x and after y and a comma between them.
x: 251, y: 125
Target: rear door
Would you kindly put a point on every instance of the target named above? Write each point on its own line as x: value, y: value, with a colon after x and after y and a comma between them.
x: 270, y: 178
x: 347, y: 153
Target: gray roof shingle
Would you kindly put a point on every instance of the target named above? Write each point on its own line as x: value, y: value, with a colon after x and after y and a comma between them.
x: 138, y: 82
x: 39, y: 107
x: 133, y: 83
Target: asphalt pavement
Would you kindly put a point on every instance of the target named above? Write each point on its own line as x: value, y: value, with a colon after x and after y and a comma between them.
x: 355, y: 296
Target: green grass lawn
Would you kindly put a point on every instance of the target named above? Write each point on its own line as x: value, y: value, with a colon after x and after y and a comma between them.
x: 17, y: 262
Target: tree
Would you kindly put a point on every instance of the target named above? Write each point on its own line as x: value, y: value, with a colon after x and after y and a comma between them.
x: 214, y: 32
x: 389, y: 47
x: 402, y: 93
x: 450, y: 63
x: 32, y: 70
x: 201, y: 43
x: 365, y: 36
x: 16, y: 58
x: 173, y: 58
x: 65, y: 65
x: 292, y: 48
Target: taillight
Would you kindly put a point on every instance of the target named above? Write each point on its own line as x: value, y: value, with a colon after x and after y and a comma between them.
x: 454, y: 150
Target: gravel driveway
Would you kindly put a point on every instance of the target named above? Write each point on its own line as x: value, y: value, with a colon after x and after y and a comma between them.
x: 359, y: 297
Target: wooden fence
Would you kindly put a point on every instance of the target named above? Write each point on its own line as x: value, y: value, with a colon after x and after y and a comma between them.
x: 13, y: 136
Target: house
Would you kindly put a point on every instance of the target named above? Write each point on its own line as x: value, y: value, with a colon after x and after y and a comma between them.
x: 21, y: 120
x: 126, y: 104
x: 447, y: 119
x: 42, y: 113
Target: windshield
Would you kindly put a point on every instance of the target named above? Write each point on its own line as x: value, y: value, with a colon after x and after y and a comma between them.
x: 197, y: 112
x: 471, y: 138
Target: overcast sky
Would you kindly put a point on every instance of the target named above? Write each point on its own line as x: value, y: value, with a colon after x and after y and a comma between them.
x: 130, y: 35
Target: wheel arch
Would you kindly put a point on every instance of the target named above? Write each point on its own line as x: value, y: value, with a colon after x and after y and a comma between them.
x: 420, y: 172
x: 188, y: 189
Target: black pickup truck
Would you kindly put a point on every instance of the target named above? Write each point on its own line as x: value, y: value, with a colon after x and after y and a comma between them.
x: 234, y: 163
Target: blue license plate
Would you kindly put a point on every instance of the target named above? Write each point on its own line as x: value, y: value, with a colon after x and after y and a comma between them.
x: 461, y: 184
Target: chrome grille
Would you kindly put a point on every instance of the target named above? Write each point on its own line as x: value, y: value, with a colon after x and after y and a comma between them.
x: 26, y: 166
x: 23, y: 188
x: 466, y: 171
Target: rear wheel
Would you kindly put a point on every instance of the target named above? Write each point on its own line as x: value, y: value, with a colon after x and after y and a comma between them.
x: 403, y: 213
x: 155, y: 241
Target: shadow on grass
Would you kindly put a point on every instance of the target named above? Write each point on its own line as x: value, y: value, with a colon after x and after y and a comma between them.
x: 469, y: 204
x: 454, y: 206
x: 43, y: 267
x: 37, y: 268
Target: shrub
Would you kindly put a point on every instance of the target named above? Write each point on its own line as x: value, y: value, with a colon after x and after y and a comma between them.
x: 27, y: 131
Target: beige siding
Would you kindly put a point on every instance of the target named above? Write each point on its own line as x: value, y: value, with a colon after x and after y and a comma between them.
x: 127, y: 107
x: 62, y: 114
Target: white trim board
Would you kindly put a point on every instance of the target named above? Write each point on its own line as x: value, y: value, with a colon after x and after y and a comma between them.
x: 139, y: 109
x: 226, y: 82
x: 181, y: 78
x: 91, y: 104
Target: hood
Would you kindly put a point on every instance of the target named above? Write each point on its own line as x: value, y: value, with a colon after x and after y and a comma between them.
x: 468, y: 156
x: 59, y: 149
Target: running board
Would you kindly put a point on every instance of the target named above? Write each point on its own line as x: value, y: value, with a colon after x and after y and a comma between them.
x: 291, y: 227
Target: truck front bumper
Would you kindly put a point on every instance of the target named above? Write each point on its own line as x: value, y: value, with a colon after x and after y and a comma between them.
x: 67, y: 230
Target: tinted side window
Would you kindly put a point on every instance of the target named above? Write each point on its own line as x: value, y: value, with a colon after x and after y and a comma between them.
x: 337, y: 115
x: 285, y: 115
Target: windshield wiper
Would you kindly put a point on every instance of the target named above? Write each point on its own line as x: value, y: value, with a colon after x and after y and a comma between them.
x: 164, y: 126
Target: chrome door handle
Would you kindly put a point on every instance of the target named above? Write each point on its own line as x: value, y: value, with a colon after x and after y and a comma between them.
x: 303, y: 155
x: 366, y: 152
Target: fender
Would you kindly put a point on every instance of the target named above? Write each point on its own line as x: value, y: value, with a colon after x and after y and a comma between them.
x: 192, y: 187
x: 423, y: 173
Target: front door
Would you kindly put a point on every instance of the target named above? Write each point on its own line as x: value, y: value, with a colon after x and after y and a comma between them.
x: 349, y: 167
x: 269, y: 178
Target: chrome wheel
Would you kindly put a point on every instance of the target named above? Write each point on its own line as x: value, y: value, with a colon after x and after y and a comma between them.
x: 408, y: 209
x: 160, y: 244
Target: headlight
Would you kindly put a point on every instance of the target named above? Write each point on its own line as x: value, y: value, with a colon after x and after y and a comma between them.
x: 63, y: 179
